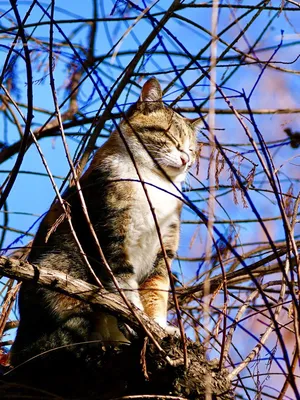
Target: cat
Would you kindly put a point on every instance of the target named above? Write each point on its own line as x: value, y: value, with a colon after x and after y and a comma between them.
x: 162, y: 147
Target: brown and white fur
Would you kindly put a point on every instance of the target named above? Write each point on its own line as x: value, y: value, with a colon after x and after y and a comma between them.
x: 158, y: 144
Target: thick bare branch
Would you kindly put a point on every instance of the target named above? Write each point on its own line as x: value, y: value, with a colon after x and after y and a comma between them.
x: 66, y: 284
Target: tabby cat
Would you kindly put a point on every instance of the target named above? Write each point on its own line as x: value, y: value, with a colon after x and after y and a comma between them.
x: 162, y: 148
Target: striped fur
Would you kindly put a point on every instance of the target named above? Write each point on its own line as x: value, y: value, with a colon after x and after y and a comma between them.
x: 157, y: 144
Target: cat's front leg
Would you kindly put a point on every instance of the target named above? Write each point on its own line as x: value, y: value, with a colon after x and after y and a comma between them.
x: 130, y: 287
x: 106, y: 327
x: 127, y: 282
x: 155, y: 289
x: 154, y: 294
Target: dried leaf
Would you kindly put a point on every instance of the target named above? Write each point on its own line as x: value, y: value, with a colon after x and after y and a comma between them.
x: 233, y: 184
x: 250, y: 176
x: 195, y: 234
x: 198, y: 155
x: 288, y: 201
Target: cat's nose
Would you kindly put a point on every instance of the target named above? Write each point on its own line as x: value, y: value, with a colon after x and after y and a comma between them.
x: 184, y: 158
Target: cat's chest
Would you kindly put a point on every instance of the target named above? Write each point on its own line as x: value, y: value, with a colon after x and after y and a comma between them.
x: 142, y: 243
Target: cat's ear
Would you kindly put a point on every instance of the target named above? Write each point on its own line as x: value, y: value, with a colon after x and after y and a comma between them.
x: 196, y: 123
x: 151, y: 94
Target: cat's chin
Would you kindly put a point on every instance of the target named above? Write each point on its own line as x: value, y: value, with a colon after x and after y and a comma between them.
x: 176, y: 172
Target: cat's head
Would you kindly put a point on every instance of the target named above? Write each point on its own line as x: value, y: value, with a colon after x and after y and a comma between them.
x: 158, y: 136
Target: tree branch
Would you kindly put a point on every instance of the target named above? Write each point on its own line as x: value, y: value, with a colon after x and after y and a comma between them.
x: 66, y: 284
x: 202, y: 376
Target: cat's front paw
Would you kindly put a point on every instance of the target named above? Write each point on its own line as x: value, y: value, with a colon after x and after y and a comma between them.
x: 172, y: 330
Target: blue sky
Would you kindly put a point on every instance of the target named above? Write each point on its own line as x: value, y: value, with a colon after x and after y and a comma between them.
x: 276, y: 89
x: 30, y: 188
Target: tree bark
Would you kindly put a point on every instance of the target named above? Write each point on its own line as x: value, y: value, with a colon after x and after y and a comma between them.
x: 150, y: 366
